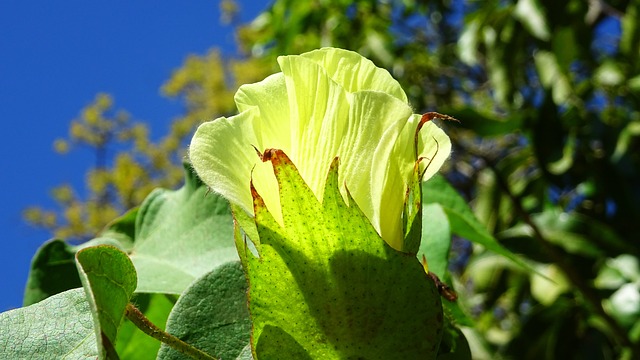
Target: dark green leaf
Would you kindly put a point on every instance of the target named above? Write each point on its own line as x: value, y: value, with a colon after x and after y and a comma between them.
x: 212, y: 315
x: 53, y: 268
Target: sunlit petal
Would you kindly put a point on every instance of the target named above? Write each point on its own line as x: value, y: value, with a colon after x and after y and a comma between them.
x: 324, y: 104
x: 354, y: 72
x: 321, y: 109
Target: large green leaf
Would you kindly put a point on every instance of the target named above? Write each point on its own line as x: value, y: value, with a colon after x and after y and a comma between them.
x: 109, y: 280
x: 174, y: 238
x: 180, y: 236
x: 326, y: 286
x: 59, y: 327
x: 221, y: 324
x: 53, y: 268
x: 461, y: 219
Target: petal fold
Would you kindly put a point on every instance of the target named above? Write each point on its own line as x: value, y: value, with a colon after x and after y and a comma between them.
x: 376, y: 122
x: 324, y: 104
x: 222, y: 153
x: 354, y: 72
x: 321, y: 109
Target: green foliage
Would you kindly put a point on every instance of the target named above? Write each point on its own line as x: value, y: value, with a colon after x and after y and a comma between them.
x: 213, y: 314
x: 169, y: 240
x: 53, y: 271
x: 174, y: 238
x: 59, y: 327
x: 181, y: 235
x: 133, y: 343
x: 109, y: 280
x: 53, y: 268
x: 546, y: 153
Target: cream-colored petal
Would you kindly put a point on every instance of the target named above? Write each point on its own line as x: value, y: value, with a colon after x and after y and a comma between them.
x: 270, y: 97
x: 435, y: 146
x: 319, y: 112
x: 393, y: 180
x: 376, y: 120
x: 222, y: 153
x: 399, y: 169
x: 325, y: 103
x: 390, y: 204
x: 355, y: 72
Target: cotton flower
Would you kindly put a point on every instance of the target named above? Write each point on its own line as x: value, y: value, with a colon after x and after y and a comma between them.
x: 324, y: 104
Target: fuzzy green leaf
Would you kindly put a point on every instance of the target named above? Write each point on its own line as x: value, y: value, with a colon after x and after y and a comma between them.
x: 212, y: 315
x: 53, y: 268
x: 59, y: 327
x: 109, y: 280
x: 174, y: 238
x: 180, y: 236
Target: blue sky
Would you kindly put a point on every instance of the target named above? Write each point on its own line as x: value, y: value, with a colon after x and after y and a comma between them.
x: 54, y: 57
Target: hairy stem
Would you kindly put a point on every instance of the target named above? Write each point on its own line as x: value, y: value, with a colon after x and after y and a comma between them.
x: 141, y: 321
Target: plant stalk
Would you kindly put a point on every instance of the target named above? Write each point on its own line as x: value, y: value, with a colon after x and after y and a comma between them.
x: 141, y: 321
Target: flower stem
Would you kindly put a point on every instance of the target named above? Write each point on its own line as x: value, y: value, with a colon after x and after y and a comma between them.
x: 141, y: 321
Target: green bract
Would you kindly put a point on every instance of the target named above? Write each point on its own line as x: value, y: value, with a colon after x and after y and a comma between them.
x: 324, y: 104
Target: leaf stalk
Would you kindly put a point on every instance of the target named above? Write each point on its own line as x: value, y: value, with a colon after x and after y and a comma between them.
x: 149, y: 328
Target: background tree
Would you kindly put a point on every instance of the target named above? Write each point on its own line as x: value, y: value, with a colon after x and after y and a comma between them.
x: 546, y: 151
